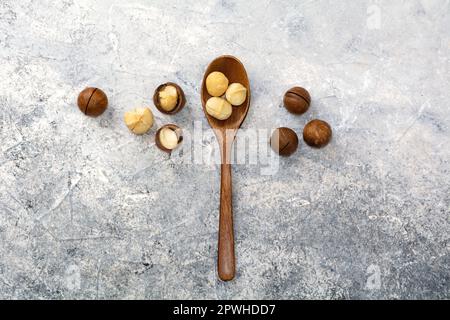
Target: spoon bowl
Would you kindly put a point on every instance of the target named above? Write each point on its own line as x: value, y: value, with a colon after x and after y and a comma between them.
x: 225, y: 131
x: 234, y: 70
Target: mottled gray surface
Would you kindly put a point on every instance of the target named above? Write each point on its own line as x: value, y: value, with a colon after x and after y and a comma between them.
x: 87, y: 210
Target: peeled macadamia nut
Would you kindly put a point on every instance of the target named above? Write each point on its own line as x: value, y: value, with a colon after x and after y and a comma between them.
x: 317, y: 133
x: 218, y: 108
x: 216, y: 84
x: 139, y: 120
x: 236, y: 94
x: 168, y: 98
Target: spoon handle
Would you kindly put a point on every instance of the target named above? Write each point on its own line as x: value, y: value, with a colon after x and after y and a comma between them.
x: 226, y: 260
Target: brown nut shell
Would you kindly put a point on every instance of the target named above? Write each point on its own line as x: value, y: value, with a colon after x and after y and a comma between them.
x: 92, y: 102
x: 297, y: 100
x: 173, y: 127
x: 284, y: 141
x: 180, y: 102
x: 317, y: 133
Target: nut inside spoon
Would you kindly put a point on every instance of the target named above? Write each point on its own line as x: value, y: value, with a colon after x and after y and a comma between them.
x: 225, y: 131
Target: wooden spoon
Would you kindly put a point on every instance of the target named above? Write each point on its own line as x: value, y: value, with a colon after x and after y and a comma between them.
x: 225, y: 131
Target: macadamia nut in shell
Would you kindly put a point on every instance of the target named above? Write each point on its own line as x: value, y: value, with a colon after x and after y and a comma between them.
x: 169, y: 98
x: 92, y: 101
x: 168, y: 137
x: 317, y: 133
x: 284, y: 141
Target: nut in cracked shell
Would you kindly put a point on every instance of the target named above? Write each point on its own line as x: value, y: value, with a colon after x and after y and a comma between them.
x: 168, y: 137
x: 297, y: 100
x: 92, y: 102
x: 284, y: 141
x: 169, y: 98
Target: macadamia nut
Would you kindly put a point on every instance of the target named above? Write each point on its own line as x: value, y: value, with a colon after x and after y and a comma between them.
x: 216, y: 84
x: 218, y: 108
x: 168, y: 98
x: 168, y: 138
x: 92, y: 102
x: 297, y: 100
x: 284, y: 141
x: 139, y: 120
x: 236, y: 94
x: 317, y: 133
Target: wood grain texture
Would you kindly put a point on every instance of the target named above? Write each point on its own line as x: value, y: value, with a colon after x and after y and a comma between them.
x: 226, y: 259
x: 225, y: 131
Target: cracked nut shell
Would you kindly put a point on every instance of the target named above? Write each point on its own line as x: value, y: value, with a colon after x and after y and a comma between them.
x: 284, y: 141
x: 92, y: 102
x: 297, y: 100
x: 317, y: 133
x: 181, y: 99
x: 159, y: 139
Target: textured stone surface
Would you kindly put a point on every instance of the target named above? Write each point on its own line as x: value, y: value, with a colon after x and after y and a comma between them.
x: 88, y: 210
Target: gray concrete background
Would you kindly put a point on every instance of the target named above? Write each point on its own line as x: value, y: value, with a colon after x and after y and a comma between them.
x: 87, y: 210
